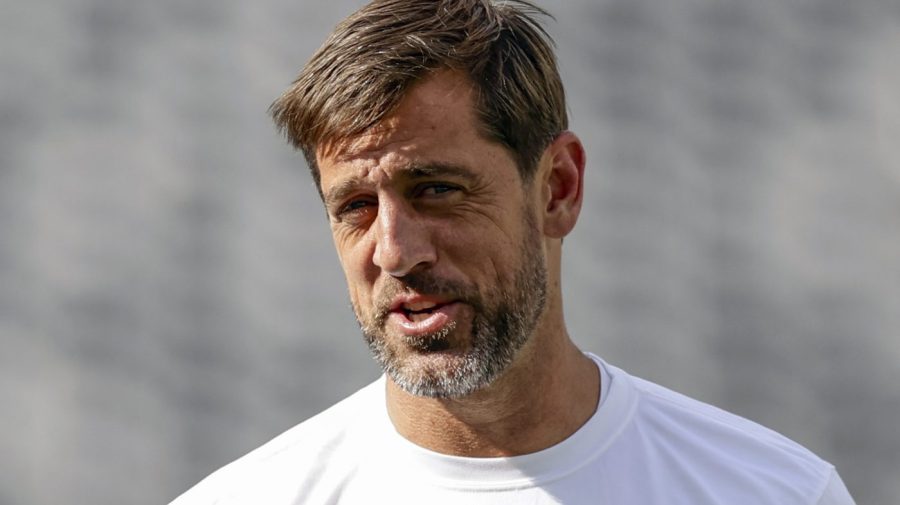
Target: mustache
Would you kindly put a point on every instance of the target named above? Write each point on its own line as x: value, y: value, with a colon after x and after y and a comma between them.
x: 423, y: 283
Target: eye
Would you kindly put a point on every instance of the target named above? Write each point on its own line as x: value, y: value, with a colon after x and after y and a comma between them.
x: 355, y: 205
x: 436, y: 189
x: 356, y: 210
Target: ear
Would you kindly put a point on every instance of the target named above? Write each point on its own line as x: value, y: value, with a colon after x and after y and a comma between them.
x: 563, y: 184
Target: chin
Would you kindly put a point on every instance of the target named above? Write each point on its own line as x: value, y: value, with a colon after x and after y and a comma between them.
x: 440, y: 374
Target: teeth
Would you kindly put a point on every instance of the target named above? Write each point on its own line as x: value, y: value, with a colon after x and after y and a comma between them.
x: 418, y: 306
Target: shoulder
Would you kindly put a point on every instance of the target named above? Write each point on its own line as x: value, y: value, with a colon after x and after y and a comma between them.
x: 277, y: 471
x: 703, y: 446
x: 676, y: 413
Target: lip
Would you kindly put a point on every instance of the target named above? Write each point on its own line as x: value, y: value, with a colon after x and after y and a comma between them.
x: 413, y: 299
x: 444, y: 312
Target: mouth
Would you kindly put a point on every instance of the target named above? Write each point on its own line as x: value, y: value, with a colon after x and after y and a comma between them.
x: 420, y: 316
x: 419, y: 311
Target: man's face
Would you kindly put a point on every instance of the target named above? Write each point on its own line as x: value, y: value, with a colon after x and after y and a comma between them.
x: 439, y: 240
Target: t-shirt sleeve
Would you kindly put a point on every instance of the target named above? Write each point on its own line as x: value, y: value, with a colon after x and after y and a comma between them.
x: 835, y: 492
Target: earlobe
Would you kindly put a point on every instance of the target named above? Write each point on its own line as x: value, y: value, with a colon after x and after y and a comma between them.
x: 563, y: 185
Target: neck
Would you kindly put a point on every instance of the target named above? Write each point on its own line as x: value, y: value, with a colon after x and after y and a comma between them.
x: 549, y: 391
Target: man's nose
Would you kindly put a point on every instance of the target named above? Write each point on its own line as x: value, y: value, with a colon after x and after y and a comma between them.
x: 402, y: 242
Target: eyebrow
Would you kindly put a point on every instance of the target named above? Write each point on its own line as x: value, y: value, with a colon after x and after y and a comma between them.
x: 412, y: 172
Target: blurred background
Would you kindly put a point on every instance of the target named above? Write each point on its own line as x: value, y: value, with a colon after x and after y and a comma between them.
x: 170, y: 297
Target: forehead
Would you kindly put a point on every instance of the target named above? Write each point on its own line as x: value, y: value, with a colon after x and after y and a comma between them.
x: 435, y: 121
x: 443, y: 99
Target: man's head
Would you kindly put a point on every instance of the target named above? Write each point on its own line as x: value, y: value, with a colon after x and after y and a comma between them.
x: 435, y: 133
x: 376, y: 55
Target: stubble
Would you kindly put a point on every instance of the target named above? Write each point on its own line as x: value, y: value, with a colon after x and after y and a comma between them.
x: 503, y: 319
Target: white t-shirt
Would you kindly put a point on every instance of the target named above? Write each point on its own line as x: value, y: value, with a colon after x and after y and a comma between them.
x: 645, y: 444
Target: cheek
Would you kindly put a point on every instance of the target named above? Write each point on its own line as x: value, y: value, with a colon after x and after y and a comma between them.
x: 356, y: 262
x: 482, y: 237
x: 497, y: 251
x: 474, y: 255
x: 360, y: 296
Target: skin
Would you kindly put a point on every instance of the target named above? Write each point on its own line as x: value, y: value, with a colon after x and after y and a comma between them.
x: 390, y: 220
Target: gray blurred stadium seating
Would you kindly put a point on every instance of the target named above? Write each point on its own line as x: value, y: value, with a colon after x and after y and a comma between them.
x: 169, y: 296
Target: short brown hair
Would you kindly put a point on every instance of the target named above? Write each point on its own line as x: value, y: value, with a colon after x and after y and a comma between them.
x: 363, y: 70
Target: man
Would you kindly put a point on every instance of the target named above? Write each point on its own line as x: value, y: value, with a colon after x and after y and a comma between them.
x: 436, y: 133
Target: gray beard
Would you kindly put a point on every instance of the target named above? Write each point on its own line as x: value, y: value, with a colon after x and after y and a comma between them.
x: 503, y: 322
